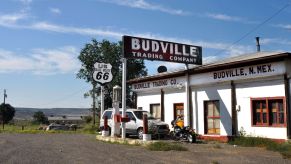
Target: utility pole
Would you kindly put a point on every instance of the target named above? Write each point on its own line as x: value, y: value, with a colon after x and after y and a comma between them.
x: 5, y: 96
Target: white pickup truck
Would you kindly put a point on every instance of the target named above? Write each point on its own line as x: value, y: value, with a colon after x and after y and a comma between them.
x: 135, y: 125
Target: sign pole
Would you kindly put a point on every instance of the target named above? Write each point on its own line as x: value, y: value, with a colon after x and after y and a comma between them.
x: 123, y: 96
x: 102, y: 100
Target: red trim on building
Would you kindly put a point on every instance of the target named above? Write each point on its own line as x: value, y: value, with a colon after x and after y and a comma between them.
x: 225, y: 139
x: 215, y: 138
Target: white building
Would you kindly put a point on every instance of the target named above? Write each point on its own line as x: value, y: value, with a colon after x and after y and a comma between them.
x: 248, y: 93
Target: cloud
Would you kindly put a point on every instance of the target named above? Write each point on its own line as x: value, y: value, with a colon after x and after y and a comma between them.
x: 26, y: 5
x: 25, y: 1
x: 284, y: 26
x: 228, y: 18
x: 11, y: 20
x: 275, y: 41
x: 55, y: 11
x: 41, y: 61
x: 45, y: 26
x: 142, y: 4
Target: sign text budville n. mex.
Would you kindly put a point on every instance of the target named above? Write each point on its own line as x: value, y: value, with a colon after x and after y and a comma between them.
x: 142, y: 48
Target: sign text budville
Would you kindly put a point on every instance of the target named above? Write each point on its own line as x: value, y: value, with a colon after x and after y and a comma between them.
x: 142, y: 48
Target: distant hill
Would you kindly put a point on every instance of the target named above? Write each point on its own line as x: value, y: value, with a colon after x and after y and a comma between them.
x: 27, y: 113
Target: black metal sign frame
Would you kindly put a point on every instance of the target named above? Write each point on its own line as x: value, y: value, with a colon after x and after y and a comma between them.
x: 150, y: 49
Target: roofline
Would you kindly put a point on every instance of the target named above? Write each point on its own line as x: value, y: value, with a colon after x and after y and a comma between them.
x: 212, y: 67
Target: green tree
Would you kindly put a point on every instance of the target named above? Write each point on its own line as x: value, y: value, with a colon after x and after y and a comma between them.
x: 107, y: 52
x: 40, y: 117
x: 6, y: 113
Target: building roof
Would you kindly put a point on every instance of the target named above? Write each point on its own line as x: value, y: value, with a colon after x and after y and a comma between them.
x: 237, y: 61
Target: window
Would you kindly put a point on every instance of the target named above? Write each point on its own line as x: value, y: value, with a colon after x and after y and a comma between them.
x: 179, y: 112
x: 155, y: 110
x: 212, y: 117
x: 108, y: 114
x: 268, y: 111
x: 130, y: 115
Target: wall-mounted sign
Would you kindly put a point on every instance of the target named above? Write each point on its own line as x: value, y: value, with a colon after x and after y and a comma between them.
x: 245, y: 71
x: 102, y: 72
x: 163, y: 83
x: 142, y: 48
x: 239, y: 73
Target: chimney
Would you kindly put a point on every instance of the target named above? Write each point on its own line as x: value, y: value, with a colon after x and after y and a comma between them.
x: 258, y: 44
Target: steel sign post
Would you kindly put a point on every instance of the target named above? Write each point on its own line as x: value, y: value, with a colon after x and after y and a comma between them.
x: 123, y: 125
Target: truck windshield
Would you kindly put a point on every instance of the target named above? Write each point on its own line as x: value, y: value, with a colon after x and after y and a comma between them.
x: 139, y: 114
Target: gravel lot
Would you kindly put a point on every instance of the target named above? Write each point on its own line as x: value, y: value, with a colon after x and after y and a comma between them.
x: 80, y: 148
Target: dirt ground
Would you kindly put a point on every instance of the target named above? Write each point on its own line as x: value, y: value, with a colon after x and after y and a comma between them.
x: 80, y: 148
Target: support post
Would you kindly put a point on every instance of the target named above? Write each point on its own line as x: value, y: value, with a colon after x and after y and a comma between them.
x: 233, y: 109
x: 187, y: 105
x: 288, y: 108
x: 162, y: 106
x: 123, y: 125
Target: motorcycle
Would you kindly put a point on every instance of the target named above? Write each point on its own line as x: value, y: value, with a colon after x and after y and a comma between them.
x: 182, y: 133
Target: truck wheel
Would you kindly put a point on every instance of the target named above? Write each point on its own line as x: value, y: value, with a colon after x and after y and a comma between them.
x: 140, y: 133
x: 109, y: 129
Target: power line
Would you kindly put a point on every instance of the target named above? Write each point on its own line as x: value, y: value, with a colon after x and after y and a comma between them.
x: 254, y: 29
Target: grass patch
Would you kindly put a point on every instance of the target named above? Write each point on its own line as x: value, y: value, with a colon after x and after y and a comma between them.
x: 217, y: 146
x: 34, y: 129
x: 164, y: 146
x: 10, y: 128
x: 88, y: 129
x: 282, y: 148
x: 252, y: 142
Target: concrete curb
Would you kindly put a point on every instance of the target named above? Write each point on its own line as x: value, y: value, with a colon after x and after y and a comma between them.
x: 123, y: 141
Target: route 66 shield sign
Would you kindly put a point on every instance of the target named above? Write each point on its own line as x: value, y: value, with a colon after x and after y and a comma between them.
x: 102, y: 72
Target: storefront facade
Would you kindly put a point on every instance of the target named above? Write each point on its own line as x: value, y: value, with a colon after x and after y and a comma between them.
x: 248, y: 94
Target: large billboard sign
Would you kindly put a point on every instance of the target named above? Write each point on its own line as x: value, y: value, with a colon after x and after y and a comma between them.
x: 143, y: 48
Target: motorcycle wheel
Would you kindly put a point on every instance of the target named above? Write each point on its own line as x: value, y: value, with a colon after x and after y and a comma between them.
x: 191, y: 138
x: 173, y: 136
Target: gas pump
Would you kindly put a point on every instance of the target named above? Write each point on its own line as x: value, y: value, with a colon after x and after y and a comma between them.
x: 115, y: 130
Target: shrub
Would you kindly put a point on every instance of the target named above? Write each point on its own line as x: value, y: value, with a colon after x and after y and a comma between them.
x: 284, y: 148
x: 87, y: 119
x: 252, y: 141
x: 40, y: 117
x: 6, y: 113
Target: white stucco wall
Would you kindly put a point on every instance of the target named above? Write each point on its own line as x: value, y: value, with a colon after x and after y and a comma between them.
x: 256, y: 89
x: 171, y: 98
x: 205, y: 87
x: 145, y: 99
x: 214, y: 92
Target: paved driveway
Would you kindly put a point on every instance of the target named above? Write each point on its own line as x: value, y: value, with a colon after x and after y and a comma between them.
x: 79, y: 148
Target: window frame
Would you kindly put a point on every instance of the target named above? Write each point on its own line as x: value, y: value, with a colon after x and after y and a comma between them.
x: 213, y: 117
x: 151, y: 109
x: 175, y: 105
x: 269, y: 112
